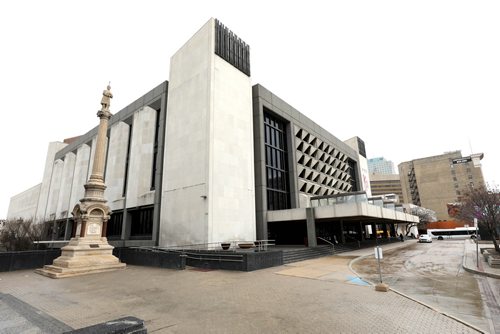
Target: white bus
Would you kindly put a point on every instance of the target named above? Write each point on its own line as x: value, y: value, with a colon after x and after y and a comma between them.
x: 452, y: 233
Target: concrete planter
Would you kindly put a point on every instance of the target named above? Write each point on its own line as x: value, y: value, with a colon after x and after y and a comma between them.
x: 494, y: 261
x: 21, y: 260
x: 148, y: 258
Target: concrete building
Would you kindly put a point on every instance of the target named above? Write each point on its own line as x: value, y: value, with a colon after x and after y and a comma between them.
x: 435, y: 181
x: 382, y: 184
x: 381, y: 166
x: 206, y: 157
x: 359, y: 145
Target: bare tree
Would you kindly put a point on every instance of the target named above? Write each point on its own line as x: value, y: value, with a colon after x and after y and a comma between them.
x: 483, y: 203
x: 19, y: 234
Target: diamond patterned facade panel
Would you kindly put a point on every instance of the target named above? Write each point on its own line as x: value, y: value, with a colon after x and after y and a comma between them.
x: 321, y: 168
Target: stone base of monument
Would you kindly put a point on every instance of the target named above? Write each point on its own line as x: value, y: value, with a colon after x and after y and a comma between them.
x: 83, y: 256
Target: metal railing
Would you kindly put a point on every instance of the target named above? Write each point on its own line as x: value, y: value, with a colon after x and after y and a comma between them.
x: 328, y: 242
x: 232, y: 245
x: 48, y: 242
x: 353, y: 239
x: 213, y: 251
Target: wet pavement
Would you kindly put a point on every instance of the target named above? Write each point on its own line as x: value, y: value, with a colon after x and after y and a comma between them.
x: 489, y: 281
x: 433, y: 274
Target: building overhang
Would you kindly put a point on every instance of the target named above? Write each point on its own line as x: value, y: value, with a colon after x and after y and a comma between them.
x: 345, y: 212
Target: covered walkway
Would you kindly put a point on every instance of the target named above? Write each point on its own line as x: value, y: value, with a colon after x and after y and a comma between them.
x: 339, y: 219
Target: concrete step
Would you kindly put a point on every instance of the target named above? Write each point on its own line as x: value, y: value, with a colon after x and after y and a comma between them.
x: 295, y: 255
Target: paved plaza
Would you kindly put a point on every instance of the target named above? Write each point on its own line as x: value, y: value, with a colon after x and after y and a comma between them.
x: 314, y: 296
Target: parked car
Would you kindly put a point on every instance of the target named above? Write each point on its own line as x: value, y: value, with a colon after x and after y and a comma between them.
x: 424, y: 238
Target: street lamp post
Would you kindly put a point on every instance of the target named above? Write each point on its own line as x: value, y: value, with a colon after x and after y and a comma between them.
x: 477, y: 242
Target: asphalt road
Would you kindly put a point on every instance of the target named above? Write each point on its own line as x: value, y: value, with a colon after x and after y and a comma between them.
x: 432, y: 273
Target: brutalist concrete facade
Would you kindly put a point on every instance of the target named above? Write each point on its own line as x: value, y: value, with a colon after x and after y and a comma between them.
x: 317, y: 163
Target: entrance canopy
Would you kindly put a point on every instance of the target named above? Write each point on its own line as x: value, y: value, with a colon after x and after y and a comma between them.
x: 348, y: 206
x: 342, y: 218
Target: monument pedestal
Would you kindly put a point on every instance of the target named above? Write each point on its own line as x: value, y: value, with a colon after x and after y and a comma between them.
x: 83, y: 256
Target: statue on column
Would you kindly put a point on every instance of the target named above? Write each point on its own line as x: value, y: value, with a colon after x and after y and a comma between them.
x: 106, y: 98
x: 89, y: 251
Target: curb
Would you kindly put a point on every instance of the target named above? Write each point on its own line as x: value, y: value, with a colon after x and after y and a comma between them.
x: 365, y: 256
x: 411, y: 298
x: 475, y: 271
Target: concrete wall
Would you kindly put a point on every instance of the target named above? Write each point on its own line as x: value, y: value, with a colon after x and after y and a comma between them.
x: 263, y: 98
x: 363, y: 172
x: 24, y: 205
x: 364, y: 176
x: 79, y: 153
x: 55, y: 187
x: 46, y: 181
x: 231, y: 185
x: 382, y: 184
x: 79, y: 175
x: 115, y: 165
x: 141, y: 158
x: 184, y: 215
x: 439, y: 181
x: 208, y: 191
x: 64, y: 206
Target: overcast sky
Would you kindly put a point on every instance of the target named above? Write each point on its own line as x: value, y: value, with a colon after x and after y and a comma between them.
x: 412, y: 79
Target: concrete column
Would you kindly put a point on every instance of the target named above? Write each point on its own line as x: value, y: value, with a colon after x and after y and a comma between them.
x: 115, y: 171
x: 159, y: 168
x: 67, y: 231
x: 63, y: 205
x: 55, y: 186
x: 126, y: 225
x: 342, y: 236
x: 80, y: 174
x: 140, y: 167
x: 41, y: 208
x: 208, y: 175
x: 311, y: 228
x: 361, y: 231
x: 393, y: 230
x: 100, y: 150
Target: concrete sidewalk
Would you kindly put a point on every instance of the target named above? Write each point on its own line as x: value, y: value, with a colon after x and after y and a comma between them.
x: 314, y: 296
x: 471, y: 256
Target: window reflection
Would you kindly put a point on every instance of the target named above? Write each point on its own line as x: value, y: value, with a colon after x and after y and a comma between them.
x: 278, y: 193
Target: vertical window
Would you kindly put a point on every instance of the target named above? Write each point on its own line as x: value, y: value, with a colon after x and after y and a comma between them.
x: 278, y: 192
x: 114, y: 229
x: 141, y: 223
x: 155, y: 150
x: 352, y: 172
x: 125, y: 177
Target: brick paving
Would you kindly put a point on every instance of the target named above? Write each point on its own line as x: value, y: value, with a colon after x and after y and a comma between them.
x: 309, y: 300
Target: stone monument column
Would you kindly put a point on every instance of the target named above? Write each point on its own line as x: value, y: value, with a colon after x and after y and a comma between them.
x: 89, y: 252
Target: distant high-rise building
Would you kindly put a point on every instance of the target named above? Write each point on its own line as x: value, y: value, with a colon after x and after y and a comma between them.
x: 383, y: 184
x: 380, y: 166
x: 435, y: 181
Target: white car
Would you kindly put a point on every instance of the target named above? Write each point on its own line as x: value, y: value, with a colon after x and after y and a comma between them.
x: 424, y: 238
